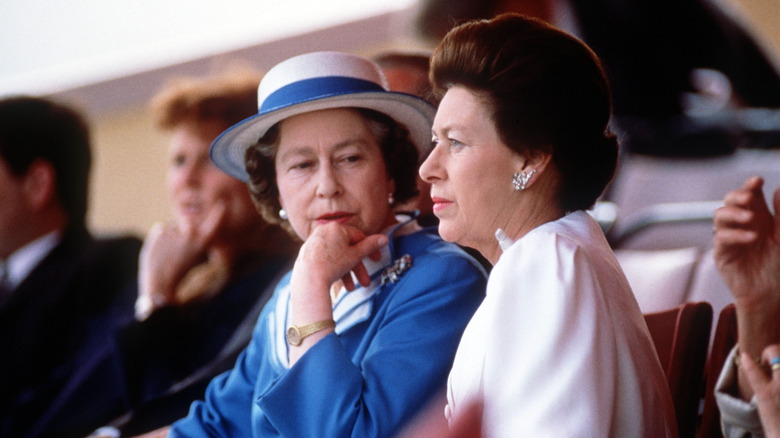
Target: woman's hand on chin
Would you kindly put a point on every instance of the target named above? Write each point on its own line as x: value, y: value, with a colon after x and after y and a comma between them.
x: 334, y: 250
x: 330, y: 253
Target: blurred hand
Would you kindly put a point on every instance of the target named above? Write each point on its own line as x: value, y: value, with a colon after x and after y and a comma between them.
x: 168, y: 253
x: 747, y: 243
x: 433, y: 425
x: 766, y: 388
x: 112, y: 432
x: 747, y: 254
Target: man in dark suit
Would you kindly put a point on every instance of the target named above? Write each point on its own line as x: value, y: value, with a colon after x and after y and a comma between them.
x: 57, y: 282
x: 203, y: 279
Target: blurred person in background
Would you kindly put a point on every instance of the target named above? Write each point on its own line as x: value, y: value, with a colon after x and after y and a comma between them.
x: 407, y: 72
x: 203, y: 277
x: 747, y: 254
x: 57, y: 282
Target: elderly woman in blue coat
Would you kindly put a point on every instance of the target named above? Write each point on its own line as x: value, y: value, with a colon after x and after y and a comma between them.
x: 362, y: 332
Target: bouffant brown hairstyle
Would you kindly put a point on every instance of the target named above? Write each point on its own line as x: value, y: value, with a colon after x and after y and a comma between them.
x: 547, y: 91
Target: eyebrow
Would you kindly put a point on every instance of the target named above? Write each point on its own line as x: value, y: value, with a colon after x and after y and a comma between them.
x: 308, y: 150
x: 449, y: 128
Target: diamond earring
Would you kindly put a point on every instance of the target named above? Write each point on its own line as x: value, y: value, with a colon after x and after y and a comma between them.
x: 520, y: 180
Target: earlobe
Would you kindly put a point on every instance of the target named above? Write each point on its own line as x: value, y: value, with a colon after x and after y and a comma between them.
x: 282, y: 212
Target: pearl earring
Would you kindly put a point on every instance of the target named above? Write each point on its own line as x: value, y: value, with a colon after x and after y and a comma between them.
x: 390, y: 199
x: 283, y: 214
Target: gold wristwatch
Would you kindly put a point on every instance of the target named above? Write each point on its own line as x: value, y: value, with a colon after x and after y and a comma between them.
x: 296, y: 335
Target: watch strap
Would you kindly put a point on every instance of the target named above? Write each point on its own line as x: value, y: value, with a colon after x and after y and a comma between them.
x: 296, y: 334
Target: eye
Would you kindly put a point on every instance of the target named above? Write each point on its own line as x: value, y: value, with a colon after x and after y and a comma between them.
x: 455, y: 145
x: 301, y: 165
x: 350, y: 158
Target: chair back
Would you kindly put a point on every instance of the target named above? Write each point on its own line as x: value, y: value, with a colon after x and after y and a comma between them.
x: 723, y: 341
x: 660, y: 279
x: 681, y: 336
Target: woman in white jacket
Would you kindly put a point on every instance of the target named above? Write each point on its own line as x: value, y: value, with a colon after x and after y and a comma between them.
x: 559, y: 347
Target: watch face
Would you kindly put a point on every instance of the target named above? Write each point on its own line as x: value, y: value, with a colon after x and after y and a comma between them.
x: 293, y: 336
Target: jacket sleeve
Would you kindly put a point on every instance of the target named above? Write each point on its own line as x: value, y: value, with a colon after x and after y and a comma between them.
x: 406, y: 358
x: 738, y: 418
x: 227, y: 407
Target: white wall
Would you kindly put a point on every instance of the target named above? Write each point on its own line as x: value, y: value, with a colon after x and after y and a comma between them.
x: 128, y: 180
x: 128, y: 190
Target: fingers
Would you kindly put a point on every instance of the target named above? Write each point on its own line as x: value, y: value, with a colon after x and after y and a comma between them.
x: 753, y: 184
x: 735, y: 236
x: 349, y: 284
x: 742, y: 220
x: 357, y: 237
x: 380, y: 242
x: 336, y: 251
x: 207, y: 230
x: 370, y: 246
x: 755, y: 374
x: 155, y: 231
x: 469, y: 423
x: 767, y: 389
x: 733, y: 215
x: 771, y: 356
x: 367, y: 247
x: 202, y: 231
x: 362, y: 274
x: 750, y: 197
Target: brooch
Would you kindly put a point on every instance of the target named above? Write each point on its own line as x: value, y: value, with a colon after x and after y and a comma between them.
x: 393, y: 272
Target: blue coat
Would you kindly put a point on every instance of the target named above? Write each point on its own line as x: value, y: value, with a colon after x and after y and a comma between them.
x: 365, y: 380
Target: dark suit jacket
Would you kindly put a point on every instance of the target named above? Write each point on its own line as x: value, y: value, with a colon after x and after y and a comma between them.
x: 139, y: 376
x: 51, y: 314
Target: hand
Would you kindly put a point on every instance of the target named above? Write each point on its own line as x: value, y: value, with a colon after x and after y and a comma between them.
x: 747, y: 243
x: 330, y: 253
x: 334, y: 251
x: 431, y: 424
x: 766, y: 388
x: 168, y: 253
x: 747, y: 253
x: 112, y: 432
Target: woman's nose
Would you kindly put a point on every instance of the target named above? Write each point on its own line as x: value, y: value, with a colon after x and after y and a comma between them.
x: 191, y: 174
x: 430, y: 169
x: 328, y: 184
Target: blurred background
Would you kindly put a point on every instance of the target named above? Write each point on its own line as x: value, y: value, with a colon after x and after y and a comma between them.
x: 109, y: 58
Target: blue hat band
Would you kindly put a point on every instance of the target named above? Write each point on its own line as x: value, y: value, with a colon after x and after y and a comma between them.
x: 316, y: 88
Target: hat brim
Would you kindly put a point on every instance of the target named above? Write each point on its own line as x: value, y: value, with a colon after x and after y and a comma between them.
x: 228, y: 151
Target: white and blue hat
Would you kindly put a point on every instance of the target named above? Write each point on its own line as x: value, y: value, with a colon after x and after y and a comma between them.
x: 316, y: 81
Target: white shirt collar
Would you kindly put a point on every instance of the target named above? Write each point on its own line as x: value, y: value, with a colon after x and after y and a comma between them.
x: 19, y: 264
